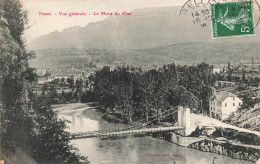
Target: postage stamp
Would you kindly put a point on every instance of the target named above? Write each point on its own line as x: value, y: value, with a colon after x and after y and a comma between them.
x: 232, y: 19
x: 199, y: 12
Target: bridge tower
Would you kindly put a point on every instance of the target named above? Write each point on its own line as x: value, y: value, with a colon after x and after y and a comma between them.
x: 184, y: 121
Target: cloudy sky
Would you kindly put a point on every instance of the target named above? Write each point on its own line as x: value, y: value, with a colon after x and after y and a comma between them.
x: 42, y: 25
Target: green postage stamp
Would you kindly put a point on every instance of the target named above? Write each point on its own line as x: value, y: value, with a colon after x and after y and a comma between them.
x: 232, y: 19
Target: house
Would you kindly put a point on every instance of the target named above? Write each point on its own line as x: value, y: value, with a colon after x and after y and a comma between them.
x: 223, y: 103
x: 41, y: 72
x: 217, y: 70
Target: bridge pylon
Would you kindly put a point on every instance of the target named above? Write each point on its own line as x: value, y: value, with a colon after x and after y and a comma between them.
x: 184, y: 121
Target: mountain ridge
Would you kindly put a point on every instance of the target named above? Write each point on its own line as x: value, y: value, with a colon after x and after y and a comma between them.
x: 181, y: 54
x: 147, y: 28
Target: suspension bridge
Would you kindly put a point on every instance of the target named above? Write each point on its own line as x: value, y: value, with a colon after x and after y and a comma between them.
x: 183, y: 126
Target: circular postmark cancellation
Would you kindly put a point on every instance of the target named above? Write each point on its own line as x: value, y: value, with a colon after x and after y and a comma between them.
x: 225, y: 17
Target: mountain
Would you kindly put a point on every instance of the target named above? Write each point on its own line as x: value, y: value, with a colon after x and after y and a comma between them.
x: 147, y: 28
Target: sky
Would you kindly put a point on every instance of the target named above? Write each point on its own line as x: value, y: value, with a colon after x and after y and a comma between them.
x: 42, y: 25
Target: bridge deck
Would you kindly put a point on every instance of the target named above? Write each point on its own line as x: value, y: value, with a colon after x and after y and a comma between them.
x: 101, y: 133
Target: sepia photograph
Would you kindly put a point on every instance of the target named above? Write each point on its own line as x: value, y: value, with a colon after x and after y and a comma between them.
x: 129, y: 82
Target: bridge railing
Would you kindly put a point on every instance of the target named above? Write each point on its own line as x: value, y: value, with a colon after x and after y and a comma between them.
x: 126, y: 129
x: 124, y: 132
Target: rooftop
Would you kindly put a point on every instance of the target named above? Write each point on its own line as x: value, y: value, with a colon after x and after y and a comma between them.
x: 221, y: 96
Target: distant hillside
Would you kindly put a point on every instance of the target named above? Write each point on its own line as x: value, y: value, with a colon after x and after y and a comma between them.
x: 147, y: 28
x: 183, y: 53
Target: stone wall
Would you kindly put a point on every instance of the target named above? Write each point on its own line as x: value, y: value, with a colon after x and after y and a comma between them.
x: 183, y: 141
x: 228, y: 149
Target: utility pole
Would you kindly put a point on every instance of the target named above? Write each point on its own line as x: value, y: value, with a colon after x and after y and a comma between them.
x: 201, y: 107
x: 253, y: 63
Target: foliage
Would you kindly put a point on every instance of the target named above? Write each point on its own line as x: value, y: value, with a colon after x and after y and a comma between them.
x: 28, y: 123
x: 141, y: 95
x: 218, y: 116
x: 70, y: 81
x: 231, y: 134
x: 196, y: 133
x: 248, y: 101
x: 50, y: 136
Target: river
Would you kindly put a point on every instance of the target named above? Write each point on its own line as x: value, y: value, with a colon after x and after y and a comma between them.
x: 129, y: 150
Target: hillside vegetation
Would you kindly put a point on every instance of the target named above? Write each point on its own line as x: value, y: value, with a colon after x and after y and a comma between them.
x: 30, y: 130
x: 249, y: 119
x: 183, y: 54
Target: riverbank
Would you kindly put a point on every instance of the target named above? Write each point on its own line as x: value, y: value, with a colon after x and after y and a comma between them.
x: 242, y: 152
x: 227, y: 148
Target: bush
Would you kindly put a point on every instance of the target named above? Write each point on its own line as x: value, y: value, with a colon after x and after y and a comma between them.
x: 247, y: 138
x: 218, y: 116
x: 112, y: 118
x: 247, y: 126
x: 243, y: 137
x: 196, y: 133
x: 218, y: 132
x: 56, y: 101
x: 88, y: 96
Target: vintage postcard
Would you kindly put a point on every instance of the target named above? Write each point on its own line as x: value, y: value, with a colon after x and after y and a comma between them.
x: 129, y: 82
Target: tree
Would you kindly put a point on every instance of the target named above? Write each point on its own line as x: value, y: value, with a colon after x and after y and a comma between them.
x: 248, y: 101
x: 147, y: 85
x: 62, y: 81
x: 229, y: 72
x: 16, y: 19
x: 142, y: 94
x: 243, y: 76
x: 79, y: 88
x: 70, y: 81
x: 50, y: 139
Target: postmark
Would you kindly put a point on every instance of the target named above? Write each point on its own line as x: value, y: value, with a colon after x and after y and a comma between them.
x: 197, y: 11
x: 232, y: 19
